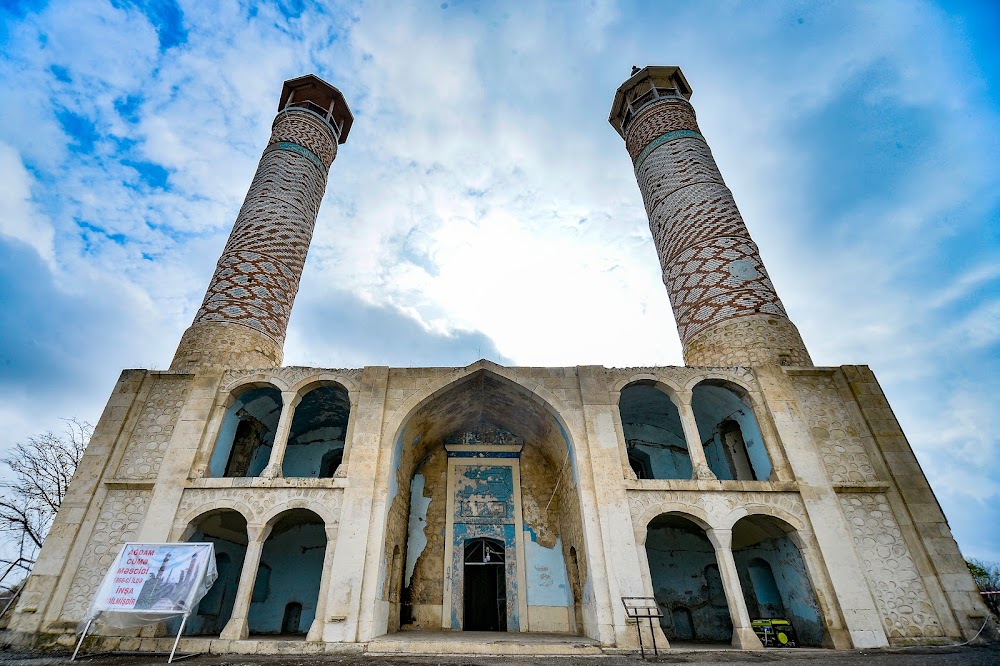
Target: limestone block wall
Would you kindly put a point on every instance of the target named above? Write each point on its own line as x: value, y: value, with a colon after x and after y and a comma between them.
x: 845, y: 483
x: 107, y: 501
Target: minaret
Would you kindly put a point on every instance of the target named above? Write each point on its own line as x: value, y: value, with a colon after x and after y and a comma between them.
x: 727, y: 311
x: 243, y: 319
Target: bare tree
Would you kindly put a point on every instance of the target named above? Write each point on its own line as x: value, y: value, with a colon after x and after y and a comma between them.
x: 987, y: 577
x: 41, y: 470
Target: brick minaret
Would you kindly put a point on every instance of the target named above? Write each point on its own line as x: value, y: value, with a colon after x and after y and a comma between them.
x: 727, y: 311
x: 243, y: 319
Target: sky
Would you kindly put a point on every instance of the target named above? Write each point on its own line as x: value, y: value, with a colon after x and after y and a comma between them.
x: 483, y: 207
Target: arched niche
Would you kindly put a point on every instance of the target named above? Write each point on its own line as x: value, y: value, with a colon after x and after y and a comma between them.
x: 685, y: 577
x: 318, y: 433
x: 654, y: 437
x: 486, y: 423
x: 774, y: 577
x: 226, y: 529
x: 243, y: 445
x: 730, y: 434
x: 292, y: 558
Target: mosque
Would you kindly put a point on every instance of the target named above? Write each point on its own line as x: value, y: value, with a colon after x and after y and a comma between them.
x: 352, y: 508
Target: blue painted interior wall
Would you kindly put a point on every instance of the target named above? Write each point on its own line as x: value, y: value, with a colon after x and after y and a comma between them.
x: 714, y: 404
x: 296, y: 557
x: 793, y: 586
x: 684, y: 572
x: 264, y: 404
x: 318, y: 427
x: 545, y: 573
x: 305, y: 460
x: 651, y: 425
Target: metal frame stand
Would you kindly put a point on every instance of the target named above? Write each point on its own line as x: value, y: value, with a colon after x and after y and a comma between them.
x: 82, y: 636
x: 171, y: 657
x: 639, y: 608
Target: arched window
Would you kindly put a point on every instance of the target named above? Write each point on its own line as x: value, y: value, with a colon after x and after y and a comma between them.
x: 296, y: 549
x: 654, y: 437
x: 318, y: 433
x: 730, y: 435
x: 243, y: 446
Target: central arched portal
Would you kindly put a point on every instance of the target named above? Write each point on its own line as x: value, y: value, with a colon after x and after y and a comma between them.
x: 486, y: 513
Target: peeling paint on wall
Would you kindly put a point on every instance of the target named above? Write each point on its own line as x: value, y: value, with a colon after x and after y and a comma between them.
x: 416, y: 539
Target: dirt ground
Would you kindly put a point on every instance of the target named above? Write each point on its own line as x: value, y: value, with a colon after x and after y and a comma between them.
x: 923, y: 656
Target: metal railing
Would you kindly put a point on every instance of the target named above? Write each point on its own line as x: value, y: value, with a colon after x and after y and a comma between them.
x: 325, y: 114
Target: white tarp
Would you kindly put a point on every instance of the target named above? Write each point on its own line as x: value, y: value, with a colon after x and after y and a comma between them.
x: 152, y: 582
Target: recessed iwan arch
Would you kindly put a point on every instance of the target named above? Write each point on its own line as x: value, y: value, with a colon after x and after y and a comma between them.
x: 482, y: 457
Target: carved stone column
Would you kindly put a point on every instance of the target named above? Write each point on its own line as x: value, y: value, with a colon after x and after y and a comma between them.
x: 289, y: 401
x: 699, y: 463
x: 743, y: 636
x: 236, y: 628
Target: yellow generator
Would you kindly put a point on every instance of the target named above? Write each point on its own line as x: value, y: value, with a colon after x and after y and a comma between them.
x: 775, y: 632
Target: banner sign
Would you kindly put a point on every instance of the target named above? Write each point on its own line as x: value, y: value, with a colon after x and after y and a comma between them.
x: 158, y: 580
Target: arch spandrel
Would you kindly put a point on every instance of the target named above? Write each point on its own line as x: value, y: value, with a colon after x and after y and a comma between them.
x: 695, y: 514
x: 794, y: 523
x: 274, y: 514
x: 665, y: 383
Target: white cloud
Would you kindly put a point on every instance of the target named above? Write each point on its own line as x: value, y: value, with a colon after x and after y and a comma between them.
x: 19, y: 217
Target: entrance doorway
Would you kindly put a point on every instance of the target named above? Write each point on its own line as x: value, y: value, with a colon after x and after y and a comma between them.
x: 485, y: 585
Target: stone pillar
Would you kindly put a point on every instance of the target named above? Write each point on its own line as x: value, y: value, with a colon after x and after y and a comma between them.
x: 236, y: 628
x: 727, y: 310
x: 243, y: 319
x: 289, y: 401
x: 699, y: 463
x: 743, y: 636
x: 316, y: 629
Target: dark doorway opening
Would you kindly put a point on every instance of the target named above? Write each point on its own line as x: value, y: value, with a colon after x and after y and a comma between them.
x: 485, y: 586
x: 293, y: 616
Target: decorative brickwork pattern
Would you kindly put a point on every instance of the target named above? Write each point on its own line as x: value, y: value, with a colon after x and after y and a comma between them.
x: 672, y: 113
x: 306, y: 129
x: 119, y: 522
x: 148, y: 443
x: 257, y: 277
x: 718, y: 280
x: 748, y: 341
x: 834, y: 431
x: 221, y: 345
x: 899, y: 592
x: 711, y: 267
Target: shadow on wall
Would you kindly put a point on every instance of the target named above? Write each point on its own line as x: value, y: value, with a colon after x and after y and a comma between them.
x: 774, y: 577
x: 243, y: 446
x: 729, y: 432
x: 686, y: 581
x: 654, y: 436
x: 286, y: 589
x: 227, y: 530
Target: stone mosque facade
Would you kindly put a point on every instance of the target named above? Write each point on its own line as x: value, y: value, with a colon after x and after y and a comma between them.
x: 354, y: 505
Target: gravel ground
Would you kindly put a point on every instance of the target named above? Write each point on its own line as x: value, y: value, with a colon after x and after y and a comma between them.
x: 923, y: 656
